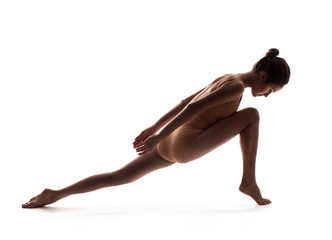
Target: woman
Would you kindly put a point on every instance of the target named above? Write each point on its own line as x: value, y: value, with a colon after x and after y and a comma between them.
x: 196, y: 126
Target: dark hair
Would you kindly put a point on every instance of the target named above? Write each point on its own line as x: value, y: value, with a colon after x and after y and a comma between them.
x: 277, y: 68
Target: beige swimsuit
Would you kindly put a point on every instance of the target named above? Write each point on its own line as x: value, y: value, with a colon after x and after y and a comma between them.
x: 173, y: 146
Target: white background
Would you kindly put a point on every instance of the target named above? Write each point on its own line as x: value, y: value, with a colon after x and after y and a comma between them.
x: 81, y: 79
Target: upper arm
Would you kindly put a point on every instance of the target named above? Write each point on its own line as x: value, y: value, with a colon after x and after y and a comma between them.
x: 188, y: 99
x: 228, y: 92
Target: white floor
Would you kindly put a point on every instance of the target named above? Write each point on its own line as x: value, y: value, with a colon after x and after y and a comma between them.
x: 167, y: 221
x: 143, y: 212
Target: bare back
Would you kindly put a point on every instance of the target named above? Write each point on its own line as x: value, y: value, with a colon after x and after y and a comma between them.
x: 215, y: 85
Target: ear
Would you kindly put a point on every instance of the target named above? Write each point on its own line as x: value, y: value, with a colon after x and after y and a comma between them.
x: 263, y: 76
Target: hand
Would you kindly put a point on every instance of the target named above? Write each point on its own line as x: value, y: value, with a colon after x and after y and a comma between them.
x: 148, y: 144
x: 143, y: 136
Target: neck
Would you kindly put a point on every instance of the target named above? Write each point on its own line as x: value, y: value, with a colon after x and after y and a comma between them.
x: 247, y: 78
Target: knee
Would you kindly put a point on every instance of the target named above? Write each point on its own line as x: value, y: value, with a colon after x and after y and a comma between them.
x: 252, y: 114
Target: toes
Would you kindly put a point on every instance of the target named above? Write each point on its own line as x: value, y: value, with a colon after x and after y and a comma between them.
x: 267, y: 201
x: 34, y: 198
x: 31, y: 203
x: 264, y: 201
x: 28, y: 205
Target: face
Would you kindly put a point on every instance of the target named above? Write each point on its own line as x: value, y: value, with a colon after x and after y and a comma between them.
x: 262, y: 87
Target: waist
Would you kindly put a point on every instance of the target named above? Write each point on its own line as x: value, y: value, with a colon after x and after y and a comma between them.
x: 207, y: 118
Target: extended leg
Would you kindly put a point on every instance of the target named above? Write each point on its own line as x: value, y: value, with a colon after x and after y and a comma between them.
x: 134, y: 170
x: 245, y: 123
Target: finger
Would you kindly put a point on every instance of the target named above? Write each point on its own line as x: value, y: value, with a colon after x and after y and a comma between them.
x: 141, y: 133
x: 141, y: 153
x: 140, y: 148
x: 143, y: 148
x: 137, y: 139
x: 137, y: 143
x: 140, y: 139
x: 140, y: 142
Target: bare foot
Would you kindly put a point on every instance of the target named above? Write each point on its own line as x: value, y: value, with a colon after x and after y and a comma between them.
x: 46, y: 197
x: 253, y: 191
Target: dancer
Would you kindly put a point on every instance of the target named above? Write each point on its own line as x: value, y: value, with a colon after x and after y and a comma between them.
x: 196, y: 126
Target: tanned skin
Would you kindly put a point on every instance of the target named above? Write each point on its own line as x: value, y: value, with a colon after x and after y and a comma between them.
x: 244, y: 122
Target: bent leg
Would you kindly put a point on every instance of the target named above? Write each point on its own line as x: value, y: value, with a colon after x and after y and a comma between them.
x: 245, y: 123
x: 220, y: 133
x: 140, y: 166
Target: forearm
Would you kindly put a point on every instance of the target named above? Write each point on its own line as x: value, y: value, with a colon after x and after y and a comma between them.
x: 186, y: 114
x: 172, y: 113
x: 169, y: 116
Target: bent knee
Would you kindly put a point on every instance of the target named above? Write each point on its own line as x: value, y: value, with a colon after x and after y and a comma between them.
x: 252, y: 114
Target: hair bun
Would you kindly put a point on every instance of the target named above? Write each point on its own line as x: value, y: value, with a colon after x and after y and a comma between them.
x: 273, y: 52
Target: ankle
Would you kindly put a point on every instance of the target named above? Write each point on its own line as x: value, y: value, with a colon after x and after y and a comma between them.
x: 58, y: 194
x: 247, y: 181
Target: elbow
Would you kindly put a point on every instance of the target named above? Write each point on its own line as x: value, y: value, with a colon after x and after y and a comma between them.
x: 196, y: 107
x: 191, y: 108
x: 185, y: 102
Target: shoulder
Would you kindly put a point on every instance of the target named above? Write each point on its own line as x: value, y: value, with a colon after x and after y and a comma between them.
x: 235, y: 86
x: 226, y: 91
x: 228, y: 83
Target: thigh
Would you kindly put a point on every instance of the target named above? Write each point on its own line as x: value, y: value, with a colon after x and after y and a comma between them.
x: 218, y: 134
x: 142, y: 165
